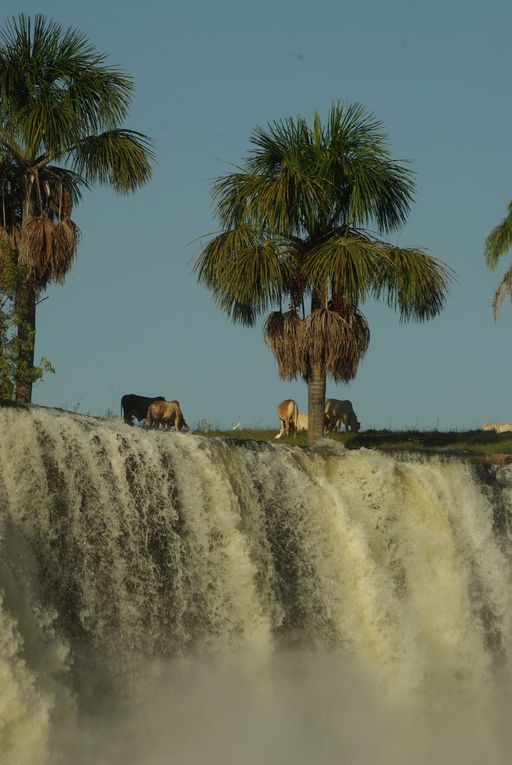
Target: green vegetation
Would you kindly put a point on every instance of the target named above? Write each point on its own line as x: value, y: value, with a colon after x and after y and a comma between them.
x: 61, y: 109
x: 472, y: 441
x: 295, y: 223
x: 13, y: 370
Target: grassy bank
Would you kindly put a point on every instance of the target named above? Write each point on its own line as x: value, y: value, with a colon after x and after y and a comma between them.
x: 473, y: 441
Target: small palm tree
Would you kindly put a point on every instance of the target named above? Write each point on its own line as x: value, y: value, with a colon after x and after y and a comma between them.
x: 498, y: 243
x: 61, y: 110
x: 295, y: 236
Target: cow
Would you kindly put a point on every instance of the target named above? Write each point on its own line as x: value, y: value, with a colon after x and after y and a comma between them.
x: 166, y: 412
x: 136, y: 406
x: 288, y: 412
x: 337, y: 412
x: 302, y: 422
x: 489, y: 426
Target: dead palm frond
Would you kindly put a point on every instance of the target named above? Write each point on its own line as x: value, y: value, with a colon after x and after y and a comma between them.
x: 337, y: 342
x: 47, y: 249
x: 286, y: 336
x: 326, y: 339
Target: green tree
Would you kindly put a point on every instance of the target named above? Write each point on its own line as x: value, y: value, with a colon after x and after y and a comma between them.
x: 61, y: 111
x: 498, y: 243
x: 295, y: 233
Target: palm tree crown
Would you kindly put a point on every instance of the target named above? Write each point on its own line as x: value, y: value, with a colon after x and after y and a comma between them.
x: 61, y: 114
x: 295, y: 224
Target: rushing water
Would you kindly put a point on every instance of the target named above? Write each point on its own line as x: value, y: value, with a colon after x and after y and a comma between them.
x: 166, y: 598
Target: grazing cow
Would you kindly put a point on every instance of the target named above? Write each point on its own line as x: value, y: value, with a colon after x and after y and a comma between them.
x: 288, y: 412
x: 136, y: 406
x: 337, y: 412
x: 166, y: 412
x: 302, y: 422
x: 489, y: 426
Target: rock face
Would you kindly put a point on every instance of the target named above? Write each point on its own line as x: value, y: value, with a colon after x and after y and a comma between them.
x: 127, y: 557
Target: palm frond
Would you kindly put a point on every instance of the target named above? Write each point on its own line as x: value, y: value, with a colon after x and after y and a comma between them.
x: 243, y: 268
x: 499, y: 241
x: 119, y: 158
x: 503, y: 289
x: 368, y: 185
x: 346, y: 264
x: 283, y: 202
x: 414, y: 283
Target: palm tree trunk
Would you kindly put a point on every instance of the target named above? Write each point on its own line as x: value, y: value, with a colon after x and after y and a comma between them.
x: 25, y: 311
x: 316, y: 406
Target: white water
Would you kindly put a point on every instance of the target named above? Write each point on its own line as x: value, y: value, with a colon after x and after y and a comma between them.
x: 167, y: 598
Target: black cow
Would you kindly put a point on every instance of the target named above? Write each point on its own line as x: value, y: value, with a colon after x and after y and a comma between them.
x: 136, y: 406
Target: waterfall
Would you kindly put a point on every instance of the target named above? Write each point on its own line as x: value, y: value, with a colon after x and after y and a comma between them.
x: 170, y: 598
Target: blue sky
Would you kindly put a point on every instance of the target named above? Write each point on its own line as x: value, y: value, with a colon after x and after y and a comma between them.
x: 131, y: 317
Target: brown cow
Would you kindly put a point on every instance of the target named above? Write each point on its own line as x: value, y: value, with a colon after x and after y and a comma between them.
x: 166, y: 412
x: 288, y: 413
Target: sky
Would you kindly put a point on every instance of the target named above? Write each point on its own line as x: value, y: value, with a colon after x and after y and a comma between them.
x: 131, y: 317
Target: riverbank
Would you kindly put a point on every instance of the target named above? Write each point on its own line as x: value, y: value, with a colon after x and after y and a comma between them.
x: 479, y: 446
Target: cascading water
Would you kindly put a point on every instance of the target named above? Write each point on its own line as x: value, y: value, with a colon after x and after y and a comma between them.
x: 166, y: 598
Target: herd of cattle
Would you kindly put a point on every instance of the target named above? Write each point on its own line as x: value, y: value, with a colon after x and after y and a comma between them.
x: 336, y: 413
x: 502, y: 427
x: 156, y: 410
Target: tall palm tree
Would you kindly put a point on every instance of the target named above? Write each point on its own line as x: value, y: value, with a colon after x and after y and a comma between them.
x: 498, y: 243
x: 294, y: 222
x: 61, y: 110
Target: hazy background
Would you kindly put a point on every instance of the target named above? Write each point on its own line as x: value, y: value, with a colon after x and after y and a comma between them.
x: 131, y: 317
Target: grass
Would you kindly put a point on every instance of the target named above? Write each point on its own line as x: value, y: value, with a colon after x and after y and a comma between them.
x: 472, y: 441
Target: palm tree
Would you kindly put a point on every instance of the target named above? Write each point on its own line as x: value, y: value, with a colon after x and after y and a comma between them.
x: 498, y: 243
x: 61, y: 110
x: 294, y: 222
